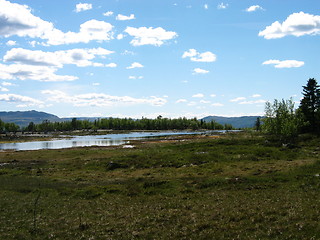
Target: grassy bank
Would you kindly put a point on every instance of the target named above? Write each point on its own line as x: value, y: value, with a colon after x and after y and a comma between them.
x: 236, y: 186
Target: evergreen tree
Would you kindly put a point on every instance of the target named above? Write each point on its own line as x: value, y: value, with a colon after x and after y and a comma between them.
x: 310, y: 105
x: 258, y: 124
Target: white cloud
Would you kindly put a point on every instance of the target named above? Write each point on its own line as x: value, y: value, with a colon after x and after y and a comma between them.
x: 83, y: 7
x: 254, y: 8
x: 3, y: 89
x: 199, y: 95
x: 199, y: 57
x: 135, y: 65
x: 222, y: 5
x: 181, y: 101
x: 7, y: 84
x: 206, y: 6
x: 14, y: 98
x: 135, y: 77
x: 256, y: 95
x: 238, y: 99
x: 297, y: 24
x: 96, y: 84
x: 121, y: 17
x: 38, y: 73
x: 111, y: 65
x: 149, y: 36
x: 126, y: 52
x: 92, y: 30
x: 16, y: 19
x: 100, y: 99
x: 200, y: 71
x: 190, y: 53
x: 108, y: 14
x: 204, y: 101
x: 284, y: 64
x: 11, y: 43
x: 213, y: 95
x: 79, y: 57
x: 120, y: 36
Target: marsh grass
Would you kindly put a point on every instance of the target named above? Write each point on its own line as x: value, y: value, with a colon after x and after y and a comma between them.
x: 234, y: 187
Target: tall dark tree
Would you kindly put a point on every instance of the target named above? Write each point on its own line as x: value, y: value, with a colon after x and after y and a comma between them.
x: 310, y: 105
x: 257, y: 124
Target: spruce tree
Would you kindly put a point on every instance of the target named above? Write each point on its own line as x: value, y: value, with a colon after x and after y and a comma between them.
x: 310, y: 105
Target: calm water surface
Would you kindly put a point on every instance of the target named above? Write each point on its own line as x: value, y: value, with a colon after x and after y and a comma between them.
x: 87, y: 141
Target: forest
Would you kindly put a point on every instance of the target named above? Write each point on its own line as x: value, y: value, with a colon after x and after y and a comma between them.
x: 159, y: 123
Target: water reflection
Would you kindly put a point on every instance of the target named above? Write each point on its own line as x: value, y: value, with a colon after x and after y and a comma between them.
x: 86, y: 141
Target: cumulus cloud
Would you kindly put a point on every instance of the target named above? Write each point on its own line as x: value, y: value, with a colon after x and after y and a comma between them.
x: 79, y: 57
x: 135, y: 77
x: 256, y: 95
x: 17, y: 20
x: 11, y: 43
x: 238, y: 99
x: 100, y: 99
x: 135, y: 65
x: 7, y: 84
x: 254, y: 8
x: 3, y: 89
x: 222, y: 5
x: 149, y: 36
x: 120, y: 36
x: 14, y: 98
x: 111, y: 65
x: 121, y: 17
x: 200, y: 71
x: 108, y: 14
x: 83, y: 7
x: 297, y: 24
x: 42, y: 66
x: 92, y: 30
x: 199, y: 95
x: 284, y: 64
x: 199, y: 57
x: 181, y: 100
x: 32, y: 72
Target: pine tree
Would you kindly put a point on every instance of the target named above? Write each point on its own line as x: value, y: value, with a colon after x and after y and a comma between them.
x: 310, y: 105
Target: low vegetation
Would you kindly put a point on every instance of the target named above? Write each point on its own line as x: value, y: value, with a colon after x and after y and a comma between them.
x: 233, y: 186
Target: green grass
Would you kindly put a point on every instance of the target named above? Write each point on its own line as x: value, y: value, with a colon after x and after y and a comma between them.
x: 237, y: 186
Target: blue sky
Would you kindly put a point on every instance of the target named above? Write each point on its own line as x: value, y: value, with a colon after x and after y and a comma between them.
x: 142, y: 58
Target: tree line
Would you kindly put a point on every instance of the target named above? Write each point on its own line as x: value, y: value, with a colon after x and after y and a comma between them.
x: 285, y: 122
x: 159, y: 123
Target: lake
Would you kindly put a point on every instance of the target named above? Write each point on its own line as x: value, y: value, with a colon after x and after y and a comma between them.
x: 91, y: 140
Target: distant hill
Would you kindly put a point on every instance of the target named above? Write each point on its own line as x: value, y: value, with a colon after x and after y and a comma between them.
x: 236, y: 122
x: 23, y: 118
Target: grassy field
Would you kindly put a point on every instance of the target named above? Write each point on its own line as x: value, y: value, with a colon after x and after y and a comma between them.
x: 235, y: 186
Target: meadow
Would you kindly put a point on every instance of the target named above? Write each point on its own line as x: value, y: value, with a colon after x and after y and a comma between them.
x: 232, y: 186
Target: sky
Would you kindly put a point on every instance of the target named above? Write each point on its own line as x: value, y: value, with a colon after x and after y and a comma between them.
x: 145, y: 58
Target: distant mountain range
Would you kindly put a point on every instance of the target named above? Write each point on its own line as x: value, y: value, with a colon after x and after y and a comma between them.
x: 23, y: 118
x: 236, y: 122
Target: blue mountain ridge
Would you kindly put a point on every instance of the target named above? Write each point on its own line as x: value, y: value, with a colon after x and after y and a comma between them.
x: 23, y: 118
